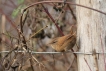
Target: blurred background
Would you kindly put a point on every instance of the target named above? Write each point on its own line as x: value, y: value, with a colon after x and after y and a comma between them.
x: 36, y: 19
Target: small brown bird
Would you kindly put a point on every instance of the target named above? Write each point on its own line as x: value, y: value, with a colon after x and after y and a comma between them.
x: 63, y: 43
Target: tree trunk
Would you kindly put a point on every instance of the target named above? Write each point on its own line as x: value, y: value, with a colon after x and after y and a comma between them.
x: 91, y: 34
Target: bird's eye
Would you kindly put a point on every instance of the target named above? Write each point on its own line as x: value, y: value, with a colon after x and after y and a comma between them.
x: 54, y: 41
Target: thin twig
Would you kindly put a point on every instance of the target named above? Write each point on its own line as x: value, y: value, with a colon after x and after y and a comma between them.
x: 53, y: 20
x: 71, y: 12
x: 31, y: 63
x: 95, y: 60
x: 70, y: 64
x: 11, y: 22
x: 87, y: 64
x: 65, y: 2
x: 38, y: 31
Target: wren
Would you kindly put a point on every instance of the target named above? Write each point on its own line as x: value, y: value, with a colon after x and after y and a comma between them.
x: 63, y: 43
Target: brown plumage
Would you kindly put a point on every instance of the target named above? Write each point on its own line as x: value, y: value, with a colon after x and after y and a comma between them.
x: 63, y: 43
